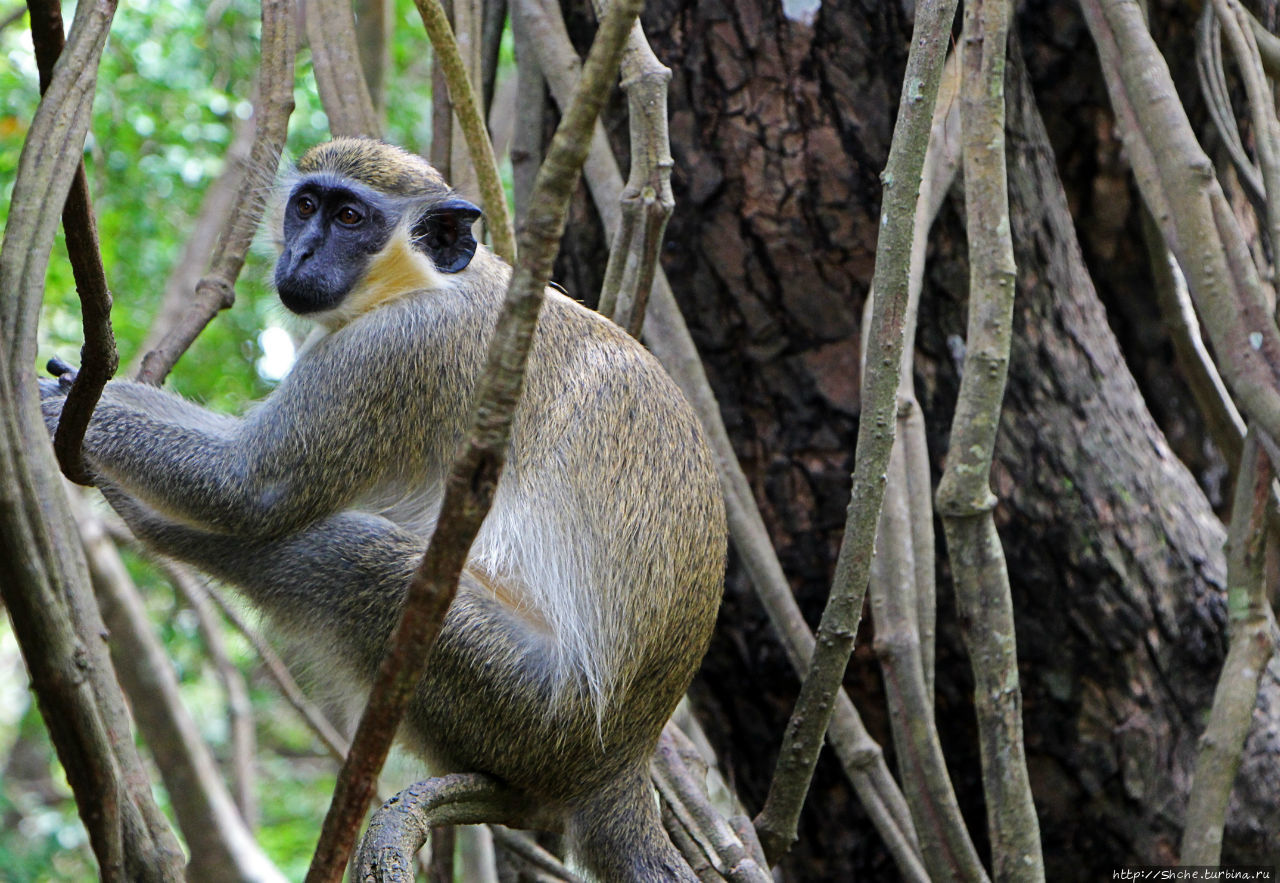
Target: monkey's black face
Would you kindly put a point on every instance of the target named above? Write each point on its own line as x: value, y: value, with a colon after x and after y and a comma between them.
x: 334, y: 226
x: 331, y: 230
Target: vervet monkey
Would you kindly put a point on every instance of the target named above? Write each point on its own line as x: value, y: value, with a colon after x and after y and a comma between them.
x: 592, y: 588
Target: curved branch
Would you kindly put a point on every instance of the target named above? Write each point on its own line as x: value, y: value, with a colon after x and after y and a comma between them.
x: 646, y: 200
x: 271, y: 112
x: 1251, y: 623
x: 335, y: 58
x: 398, y: 830
x: 98, y: 357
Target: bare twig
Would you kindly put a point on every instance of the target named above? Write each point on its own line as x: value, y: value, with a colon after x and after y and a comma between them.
x: 214, y: 829
x: 473, y: 126
x: 945, y: 844
x: 1262, y: 110
x: 473, y: 478
x: 42, y: 574
x: 901, y: 583
x: 1268, y: 47
x: 802, y: 741
x: 1213, y: 85
x: 965, y: 501
x: 646, y: 201
x: 680, y: 776
x: 334, y: 741
x: 220, y: 201
x: 335, y: 57
x: 523, y: 846
x: 1222, y: 419
x: 1251, y: 624
x: 271, y: 113
x: 98, y: 357
x: 1178, y: 184
x: 531, y: 107
x: 239, y: 710
x: 911, y: 557
x: 178, y: 573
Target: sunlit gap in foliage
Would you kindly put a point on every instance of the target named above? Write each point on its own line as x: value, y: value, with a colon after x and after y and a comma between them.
x: 278, y: 353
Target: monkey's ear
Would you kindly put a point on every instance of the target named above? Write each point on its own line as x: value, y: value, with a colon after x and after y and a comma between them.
x: 443, y: 234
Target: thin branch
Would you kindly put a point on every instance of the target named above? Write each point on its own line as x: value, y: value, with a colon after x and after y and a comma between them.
x: 528, y: 851
x: 647, y: 200
x: 216, y: 209
x: 473, y: 477
x: 1177, y: 182
x: 1222, y: 419
x: 1268, y: 47
x: 1217, y: 99
x: 98, y: 357
x: 901, y: 582
x: 802, y: 741
x: 239, y: 709
x: 333, y: 741
x: 441, y: 113
x: 214, y: 829
x: 335, y: 58
x: 178, y: 573
x: 1251, y: 623
x: 1262, y: 110
x: 531, y: 108
x: 965, y: 501
x: 908, y: 486
x: 680, y: 776
x: 43, y: 578
x: 473, y: 126
x: 216, y: 290
x: 948, y: 851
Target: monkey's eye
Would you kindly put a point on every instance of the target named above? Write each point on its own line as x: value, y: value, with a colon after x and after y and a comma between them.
x: 305, y: 206
x: 349, y: 216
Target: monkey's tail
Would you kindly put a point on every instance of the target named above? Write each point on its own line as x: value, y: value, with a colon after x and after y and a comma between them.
x: 617, y: 836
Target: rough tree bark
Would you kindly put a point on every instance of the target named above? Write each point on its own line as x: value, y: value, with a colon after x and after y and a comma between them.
x: 780, y: 127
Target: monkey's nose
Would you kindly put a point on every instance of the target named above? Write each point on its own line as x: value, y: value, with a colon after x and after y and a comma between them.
x: 296, y: 257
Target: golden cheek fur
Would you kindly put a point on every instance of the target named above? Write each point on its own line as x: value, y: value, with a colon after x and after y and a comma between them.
x: 397, y: 270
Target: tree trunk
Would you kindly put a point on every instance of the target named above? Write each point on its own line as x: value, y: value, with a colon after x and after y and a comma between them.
x: 780, y: 128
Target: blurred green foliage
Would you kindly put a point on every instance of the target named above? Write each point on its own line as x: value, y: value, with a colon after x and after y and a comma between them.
x: 175, y: 79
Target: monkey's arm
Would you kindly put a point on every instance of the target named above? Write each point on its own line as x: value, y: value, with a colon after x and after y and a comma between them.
x: 302, y: 454
x: 349, y: 568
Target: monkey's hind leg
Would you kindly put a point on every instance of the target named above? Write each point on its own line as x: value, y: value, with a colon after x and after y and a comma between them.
x: 343, y: 578
x: 617, y: 834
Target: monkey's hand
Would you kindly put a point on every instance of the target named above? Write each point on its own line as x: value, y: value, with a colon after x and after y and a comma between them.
x: 53, y: 395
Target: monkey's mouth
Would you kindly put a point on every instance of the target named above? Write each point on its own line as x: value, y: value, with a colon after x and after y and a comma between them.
x: 306, y: 296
